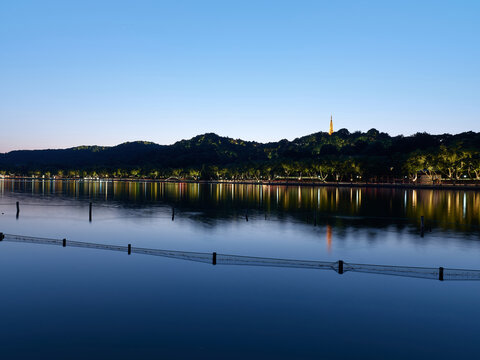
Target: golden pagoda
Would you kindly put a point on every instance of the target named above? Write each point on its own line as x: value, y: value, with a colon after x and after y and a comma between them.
x: 330, y: 132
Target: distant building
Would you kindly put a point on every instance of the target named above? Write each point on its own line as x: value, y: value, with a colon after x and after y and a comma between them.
x: 330, y: 132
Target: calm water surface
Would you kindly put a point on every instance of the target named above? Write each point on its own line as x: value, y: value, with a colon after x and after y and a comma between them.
x: 76, y: 303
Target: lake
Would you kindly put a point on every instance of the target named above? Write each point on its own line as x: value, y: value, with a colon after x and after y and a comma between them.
x: 86, y: 302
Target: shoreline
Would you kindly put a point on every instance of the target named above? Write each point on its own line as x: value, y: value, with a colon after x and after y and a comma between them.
x: 471, y: 186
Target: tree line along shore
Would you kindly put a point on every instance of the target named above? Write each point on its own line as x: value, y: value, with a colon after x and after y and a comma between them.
x: 370, y: 157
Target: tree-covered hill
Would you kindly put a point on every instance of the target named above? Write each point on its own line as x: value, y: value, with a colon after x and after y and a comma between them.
x: 341, y: 156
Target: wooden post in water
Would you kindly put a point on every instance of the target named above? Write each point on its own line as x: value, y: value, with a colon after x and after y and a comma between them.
x: 90, y: 213
x: 2, y: 236
x: 18, y: 208
x: 173, y: 213
x: 64, y: 242
x: 440, y: 273
x: 314, y: 217
x: 214, y: 258
x: 129, y: 249
x: 422, y: 226
x: 340, y: 267
x: 246, y: 215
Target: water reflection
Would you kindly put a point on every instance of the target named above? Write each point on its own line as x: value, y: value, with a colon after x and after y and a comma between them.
x: 329, y: 206
x: 329, y: 238
x: 45, y: 288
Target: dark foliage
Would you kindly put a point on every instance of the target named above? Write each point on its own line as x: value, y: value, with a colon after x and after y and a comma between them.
x: 341, y: 156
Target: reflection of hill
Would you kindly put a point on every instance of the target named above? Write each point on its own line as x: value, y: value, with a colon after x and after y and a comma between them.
x: 357, y: 207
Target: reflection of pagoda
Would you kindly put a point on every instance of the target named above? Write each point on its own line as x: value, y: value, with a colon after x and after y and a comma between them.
x: 329, y: 238
x: 330, y: 132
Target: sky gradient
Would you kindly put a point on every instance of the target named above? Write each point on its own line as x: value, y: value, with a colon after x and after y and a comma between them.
x: 105, y: 72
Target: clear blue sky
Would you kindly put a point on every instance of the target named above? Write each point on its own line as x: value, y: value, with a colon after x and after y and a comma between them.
x: 105, y: 72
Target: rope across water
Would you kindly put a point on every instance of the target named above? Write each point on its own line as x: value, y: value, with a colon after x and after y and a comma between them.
x: 226, y: 259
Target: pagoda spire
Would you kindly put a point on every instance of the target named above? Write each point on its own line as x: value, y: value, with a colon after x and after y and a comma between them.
x: 330, y: 132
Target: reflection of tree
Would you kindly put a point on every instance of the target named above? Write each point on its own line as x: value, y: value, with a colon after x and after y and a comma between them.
x: 456, y: 210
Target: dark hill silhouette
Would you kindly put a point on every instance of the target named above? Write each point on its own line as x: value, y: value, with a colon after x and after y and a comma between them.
x: 343, y: 154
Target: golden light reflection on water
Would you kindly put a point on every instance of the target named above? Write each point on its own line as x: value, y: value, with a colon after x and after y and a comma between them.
x: 329, y: 238
x: 444, y: 207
